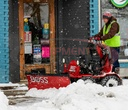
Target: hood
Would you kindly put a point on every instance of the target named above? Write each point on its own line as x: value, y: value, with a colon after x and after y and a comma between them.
x: 113, y: 19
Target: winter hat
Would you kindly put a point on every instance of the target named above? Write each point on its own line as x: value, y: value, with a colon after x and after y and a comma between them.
x: 107, y: 15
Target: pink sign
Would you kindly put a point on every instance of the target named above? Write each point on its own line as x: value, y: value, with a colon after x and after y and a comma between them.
x: 45, y: 52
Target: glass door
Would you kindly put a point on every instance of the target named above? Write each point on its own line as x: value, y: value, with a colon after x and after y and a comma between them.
x: 37, y: 35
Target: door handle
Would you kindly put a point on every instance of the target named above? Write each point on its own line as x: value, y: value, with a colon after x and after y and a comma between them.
x: 21, y: 41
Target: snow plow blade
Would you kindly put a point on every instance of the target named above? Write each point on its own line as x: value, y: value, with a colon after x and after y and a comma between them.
x: 47, y: 81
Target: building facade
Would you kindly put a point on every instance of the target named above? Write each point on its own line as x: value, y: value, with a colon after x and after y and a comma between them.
x: 32, y: 32
x: 4, y: 39
x: 37, y: 34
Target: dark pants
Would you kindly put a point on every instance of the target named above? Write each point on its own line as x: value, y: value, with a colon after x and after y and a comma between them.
x: 115, y: 56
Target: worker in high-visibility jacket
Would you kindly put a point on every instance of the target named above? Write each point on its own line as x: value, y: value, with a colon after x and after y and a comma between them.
x: 110, y: 34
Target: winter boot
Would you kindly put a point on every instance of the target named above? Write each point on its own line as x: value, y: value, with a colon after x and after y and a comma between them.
x: 117, y: 70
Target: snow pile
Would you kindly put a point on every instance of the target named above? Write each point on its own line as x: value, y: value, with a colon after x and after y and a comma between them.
x: 79, y: 96
x: 3, y: 101
x: 47, y: 94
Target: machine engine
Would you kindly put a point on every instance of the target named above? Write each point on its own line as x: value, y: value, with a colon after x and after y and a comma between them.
x: 92, y: 62
x: 94, y: 66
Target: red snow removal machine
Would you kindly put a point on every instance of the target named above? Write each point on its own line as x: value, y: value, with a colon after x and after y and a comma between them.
x: 95, y: 67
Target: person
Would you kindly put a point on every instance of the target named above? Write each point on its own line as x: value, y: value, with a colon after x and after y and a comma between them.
x: 110, y: 34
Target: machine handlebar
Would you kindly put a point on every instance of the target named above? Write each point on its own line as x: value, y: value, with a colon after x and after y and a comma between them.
x: 95, y: 40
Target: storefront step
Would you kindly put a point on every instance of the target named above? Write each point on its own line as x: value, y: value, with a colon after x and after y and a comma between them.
x: 13, y: 92
x: 25, y: 82
x: 24, y: 100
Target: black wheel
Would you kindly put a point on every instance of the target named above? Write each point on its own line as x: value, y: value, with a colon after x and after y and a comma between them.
x: 88, y: 80
x: 73, y: 80
x: 111, y: 81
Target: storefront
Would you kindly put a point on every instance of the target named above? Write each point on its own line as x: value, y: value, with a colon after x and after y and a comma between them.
x: 39, y: 29
x: 41, y: 33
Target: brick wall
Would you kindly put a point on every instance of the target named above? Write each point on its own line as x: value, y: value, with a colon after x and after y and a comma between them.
x: 94, y: 17
x: 4, y: 41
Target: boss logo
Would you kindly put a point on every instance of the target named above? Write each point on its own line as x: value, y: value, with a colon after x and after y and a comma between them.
x: 43, y: 80
x: 72, y: 68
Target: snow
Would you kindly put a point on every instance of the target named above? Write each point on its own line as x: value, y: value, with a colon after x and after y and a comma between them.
x: 10, y: 84
x: 16, y: 86
x: 3, y: 101
x: 77, y: 96
x: 22, y: 87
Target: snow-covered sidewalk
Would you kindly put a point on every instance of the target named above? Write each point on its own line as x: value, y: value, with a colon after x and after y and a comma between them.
x: 76, y: 96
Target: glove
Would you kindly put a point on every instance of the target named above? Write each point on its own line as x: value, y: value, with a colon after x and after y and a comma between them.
x: 97, y: 38
x: 102, y: 37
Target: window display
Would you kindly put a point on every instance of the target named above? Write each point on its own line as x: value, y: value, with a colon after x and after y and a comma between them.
x: 36, y: 33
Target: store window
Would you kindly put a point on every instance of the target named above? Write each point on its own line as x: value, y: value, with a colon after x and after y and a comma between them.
x: 36, y: 33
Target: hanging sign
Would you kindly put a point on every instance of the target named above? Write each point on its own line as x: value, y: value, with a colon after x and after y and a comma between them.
x: 119, y: 3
